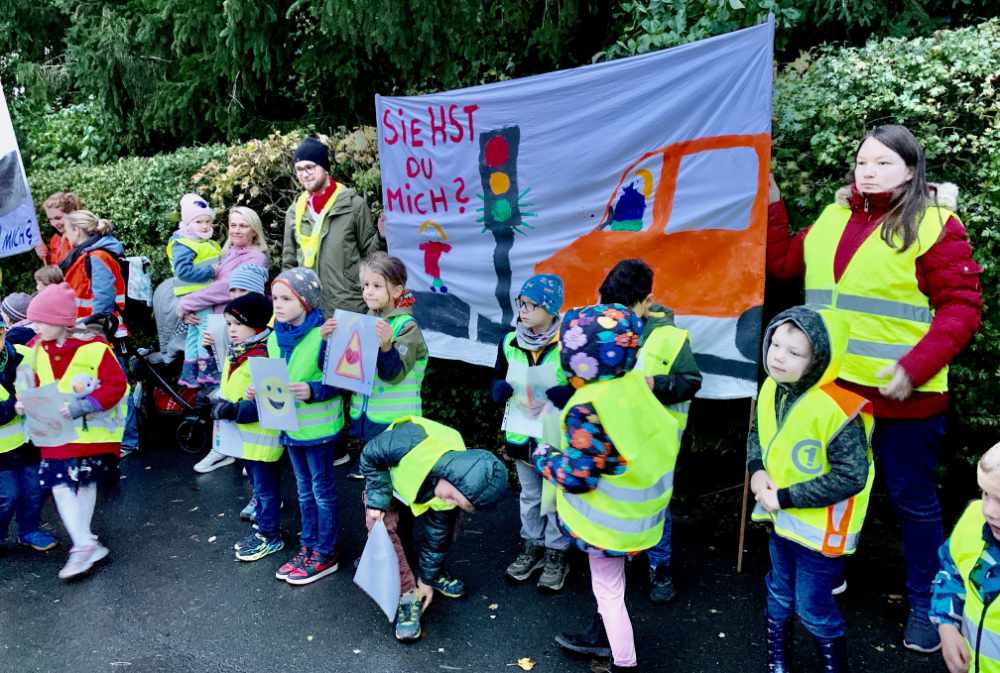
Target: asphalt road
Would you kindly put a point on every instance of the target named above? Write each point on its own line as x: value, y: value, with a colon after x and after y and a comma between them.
x: 171, y: 598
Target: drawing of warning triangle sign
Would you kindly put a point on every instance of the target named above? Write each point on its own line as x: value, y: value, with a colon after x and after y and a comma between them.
x: 350, y: 365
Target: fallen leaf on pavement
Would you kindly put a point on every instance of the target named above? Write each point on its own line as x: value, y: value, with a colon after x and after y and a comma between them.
x: 525, y: 663
x: 493, y: 606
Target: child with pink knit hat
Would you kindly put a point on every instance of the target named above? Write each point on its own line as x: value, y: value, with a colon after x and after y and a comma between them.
x: 194, y: 258
x: 87, y: 373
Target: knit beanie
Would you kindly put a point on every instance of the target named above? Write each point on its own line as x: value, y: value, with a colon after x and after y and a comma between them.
x: 54, y: 305
x: 253, y: 310
x: 313, y: 150
x: 545, y: 290
x: 249, y: 277
x: 193, y: 206
x: 15, y: 305
x: 598, y: 343
x: 304, y: 284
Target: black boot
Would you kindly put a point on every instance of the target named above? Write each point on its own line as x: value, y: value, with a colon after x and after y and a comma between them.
x: 833, y: 655
x: 778, y: 638
x: 623, y: 669
x: 593, y: 641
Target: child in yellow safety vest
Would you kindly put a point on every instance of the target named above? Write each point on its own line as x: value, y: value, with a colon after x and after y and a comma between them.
x: 296, y: 339
x: 239, y: 433
x: 613, y: 470
x: 21, y: 495
x: 533, y: 343
x: 420, y: 470
x: 666, y: 359
x: 402, y: 354
x: 194, y: 259
x: 809, y: 457
x: 963, y: 602
x: 87, y: 373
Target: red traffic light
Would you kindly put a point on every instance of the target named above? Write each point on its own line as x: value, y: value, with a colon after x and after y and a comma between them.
x: 496, y: 152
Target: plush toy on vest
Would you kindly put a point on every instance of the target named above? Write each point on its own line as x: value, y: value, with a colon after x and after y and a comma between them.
x: 419, y: 469
x: 809, y: 457
x: 614, y: 469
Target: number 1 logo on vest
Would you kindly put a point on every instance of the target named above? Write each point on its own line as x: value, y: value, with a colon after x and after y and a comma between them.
x: 804, y: 456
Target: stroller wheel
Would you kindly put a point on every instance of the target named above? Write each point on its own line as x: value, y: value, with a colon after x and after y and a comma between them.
x: 193, y: 435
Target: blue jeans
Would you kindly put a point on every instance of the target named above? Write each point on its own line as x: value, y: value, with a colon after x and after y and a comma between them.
x: 22, y: 497
x: 906, y: 455
x: 800, y: 583
x: 314, y: 480
x: 265, y: 478
x: 660, y: 554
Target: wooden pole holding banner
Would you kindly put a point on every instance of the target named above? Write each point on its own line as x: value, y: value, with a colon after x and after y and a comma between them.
x: 746, y: 494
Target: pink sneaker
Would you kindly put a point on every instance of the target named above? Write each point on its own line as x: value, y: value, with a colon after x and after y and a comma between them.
x: 82, y: 559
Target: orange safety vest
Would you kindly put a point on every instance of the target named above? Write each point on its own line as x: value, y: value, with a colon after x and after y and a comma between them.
x: 79, y: 278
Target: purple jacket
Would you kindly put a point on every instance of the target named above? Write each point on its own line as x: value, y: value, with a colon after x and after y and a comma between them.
x: 217, y: 294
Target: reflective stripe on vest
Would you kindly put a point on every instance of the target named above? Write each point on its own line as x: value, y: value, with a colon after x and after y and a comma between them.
x: 103, y: 427
x: 550, y: 359
x: 625, y: 512
x: 878, y: 291
x: 795, y: 451
x: 966, y: 546
x: 409, y: 474
x: 317, y: 420
x: 389, y: 401
x: 259, y: 443
x: 204, y: 251
x: 309, y: 243
x: 11, y: 434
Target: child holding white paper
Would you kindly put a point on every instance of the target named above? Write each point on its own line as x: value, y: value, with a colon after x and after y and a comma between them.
x: 87, y: 371
x: 402, y: 355
x: 534, y: 342
x: 260, y: 448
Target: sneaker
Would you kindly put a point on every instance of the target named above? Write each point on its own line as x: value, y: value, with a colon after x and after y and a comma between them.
x: 593, y: 641
x: 661, y: 589
x: 296, y: 561
x: 213, y: 460
x: 527, y: 562
x: 341, y: 460
x: 38, y: 540
x: 841, y: 588
x: 259, y: 548
x: 314, y: 567
x: 408, y: 620
x: 82, y: 559
x: 920, y: 635
x: 127, y: 451
x: 355, y: 473
x: 247, y: 513
x: 555, y: 570
x: 246, y: 540
x: 450, y: 587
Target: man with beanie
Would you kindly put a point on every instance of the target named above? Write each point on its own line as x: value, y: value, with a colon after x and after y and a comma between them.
x: 14, y: 311
x: 420, y: 471
x: 328, y: 229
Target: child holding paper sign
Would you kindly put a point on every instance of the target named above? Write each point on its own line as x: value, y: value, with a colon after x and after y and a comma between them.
x: 296, y: 339
x: 88, y: 373
x: 260, y: 448
x: 532, y: 345
x: 402, y: 355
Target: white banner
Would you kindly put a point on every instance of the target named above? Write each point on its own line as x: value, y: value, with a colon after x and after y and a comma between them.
x: 18, y: 222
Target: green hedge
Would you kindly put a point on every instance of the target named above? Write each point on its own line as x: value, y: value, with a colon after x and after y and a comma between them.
x: 944, y: 88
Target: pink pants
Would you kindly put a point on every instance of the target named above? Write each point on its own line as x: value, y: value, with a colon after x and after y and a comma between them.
x: 607, y: 578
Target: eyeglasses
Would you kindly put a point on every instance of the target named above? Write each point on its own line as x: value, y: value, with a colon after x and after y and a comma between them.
x: 302, y: 170
x: 526, y: 306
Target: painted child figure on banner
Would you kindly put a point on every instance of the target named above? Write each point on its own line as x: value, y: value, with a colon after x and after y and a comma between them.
x: 810, y: 461
x: 533, y: 344
x: 238, y: 428
x: 432, y: 254
x: 666, y: 359
x: 420, y: 470
x: 402, y: 354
